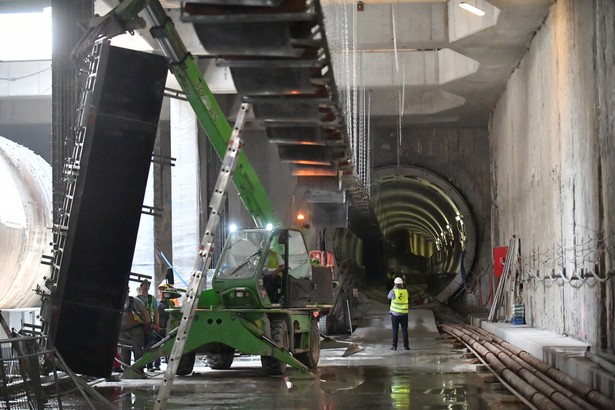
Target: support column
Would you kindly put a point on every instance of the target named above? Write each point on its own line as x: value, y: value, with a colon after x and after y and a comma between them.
x: 186, y: 205
x: 163, y: 228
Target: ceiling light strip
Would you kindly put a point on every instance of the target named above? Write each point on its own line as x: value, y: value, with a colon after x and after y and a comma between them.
x: 472, y: 9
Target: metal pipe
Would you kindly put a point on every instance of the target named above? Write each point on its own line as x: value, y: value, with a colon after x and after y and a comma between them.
x: 607, y: 356
x: 605, y: 364
x: 513, y: 353
x: 532, y: 394
x: 349, y: 317
x: 557, y: 386
x: 557, y: 397
x: 593, y: 396
x: 566, y: 392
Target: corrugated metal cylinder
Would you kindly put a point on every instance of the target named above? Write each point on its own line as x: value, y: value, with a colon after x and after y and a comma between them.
x: 25, y: 224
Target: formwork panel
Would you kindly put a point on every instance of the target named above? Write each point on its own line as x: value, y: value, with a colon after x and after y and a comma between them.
x: 122, y: 119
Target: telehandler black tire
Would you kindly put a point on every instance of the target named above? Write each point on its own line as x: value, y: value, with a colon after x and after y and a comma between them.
x: 312, y: 356
x: 221, y: 361
x: 186, y: 364
x: 279, y: 334
x: 323, y: 324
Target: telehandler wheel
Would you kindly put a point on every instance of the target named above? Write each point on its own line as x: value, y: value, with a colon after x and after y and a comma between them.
x: 221, y: 361
x: 311, y: 357
x: 323, y: 324
x: 186, y: 364
x: 279, y: 334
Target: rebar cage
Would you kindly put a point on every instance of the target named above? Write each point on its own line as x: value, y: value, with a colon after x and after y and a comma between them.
x: 28, y: 374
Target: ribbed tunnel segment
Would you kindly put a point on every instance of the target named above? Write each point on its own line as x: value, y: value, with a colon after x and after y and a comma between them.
x: 25, y: 219
x: 428, y: 230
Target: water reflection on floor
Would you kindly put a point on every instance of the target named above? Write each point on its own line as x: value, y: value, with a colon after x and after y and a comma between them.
x: 426, y: 378
x: 432, y: 375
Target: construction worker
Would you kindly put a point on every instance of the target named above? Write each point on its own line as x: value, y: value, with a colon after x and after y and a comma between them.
x: 151, y: 304
x: 399, y: 312
x: 272, y: 276
x: 135, y: 323
x: 163, y: 315
x: 163, y: 304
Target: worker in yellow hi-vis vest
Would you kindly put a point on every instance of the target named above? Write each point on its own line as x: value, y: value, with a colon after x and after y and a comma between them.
x: 399, y: 312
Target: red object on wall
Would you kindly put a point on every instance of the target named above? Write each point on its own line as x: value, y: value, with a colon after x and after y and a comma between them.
x: 499, y: 256
x: 323, y: 258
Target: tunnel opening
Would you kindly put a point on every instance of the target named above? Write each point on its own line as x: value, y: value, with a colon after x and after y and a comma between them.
x: 427, y: 234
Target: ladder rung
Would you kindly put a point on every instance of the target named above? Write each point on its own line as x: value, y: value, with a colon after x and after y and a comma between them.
x: 205, y: 256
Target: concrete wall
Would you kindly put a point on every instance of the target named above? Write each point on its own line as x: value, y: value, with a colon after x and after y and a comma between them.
x: 461, y: 157
x: 551, y: 141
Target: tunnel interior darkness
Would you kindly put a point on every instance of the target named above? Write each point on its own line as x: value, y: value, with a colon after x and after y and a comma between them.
x: 427, y: 229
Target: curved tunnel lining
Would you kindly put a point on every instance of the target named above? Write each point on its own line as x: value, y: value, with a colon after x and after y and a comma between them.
x: 437, y: 220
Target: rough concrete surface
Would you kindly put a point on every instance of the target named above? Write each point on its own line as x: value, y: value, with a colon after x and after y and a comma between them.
x: 433, y: 374
x: 549, y: 142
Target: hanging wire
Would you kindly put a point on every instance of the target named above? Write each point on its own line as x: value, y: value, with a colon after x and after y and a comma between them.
x: 12, y: 79
x: 355, y: 88
x: 347, y: 101
x: 343, y: 33
x: 364, y: 136
x: 393, y: 13
x: 401, y: 95
x: 368, y: 184
x: 361, y: 144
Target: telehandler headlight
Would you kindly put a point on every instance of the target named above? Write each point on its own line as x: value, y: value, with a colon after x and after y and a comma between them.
x: 242, y: 293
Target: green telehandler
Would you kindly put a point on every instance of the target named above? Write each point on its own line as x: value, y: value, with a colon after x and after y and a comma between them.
x: 263, y: 300
x: 265, y: 297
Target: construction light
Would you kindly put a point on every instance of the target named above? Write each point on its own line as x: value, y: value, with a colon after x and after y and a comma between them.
x: 301, y: 221
x: 232, y: 227
x: 269, y: 226
x: 472, y: 9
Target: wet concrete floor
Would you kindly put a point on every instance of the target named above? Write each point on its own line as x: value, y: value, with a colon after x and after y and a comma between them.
x: 432, y: 375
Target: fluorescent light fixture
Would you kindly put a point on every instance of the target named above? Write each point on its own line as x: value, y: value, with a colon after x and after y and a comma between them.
x: 472, y: 9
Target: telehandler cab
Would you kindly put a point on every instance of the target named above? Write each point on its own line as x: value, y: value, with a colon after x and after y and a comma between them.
x: 262, y: 301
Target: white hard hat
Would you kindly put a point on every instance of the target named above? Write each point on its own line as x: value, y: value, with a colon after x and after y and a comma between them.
x: 398, y: 281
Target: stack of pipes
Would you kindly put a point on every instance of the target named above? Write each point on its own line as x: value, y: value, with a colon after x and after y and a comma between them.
x: 537, y: 382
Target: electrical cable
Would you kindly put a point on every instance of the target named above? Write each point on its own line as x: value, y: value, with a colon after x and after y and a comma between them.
x: 25, y: 76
